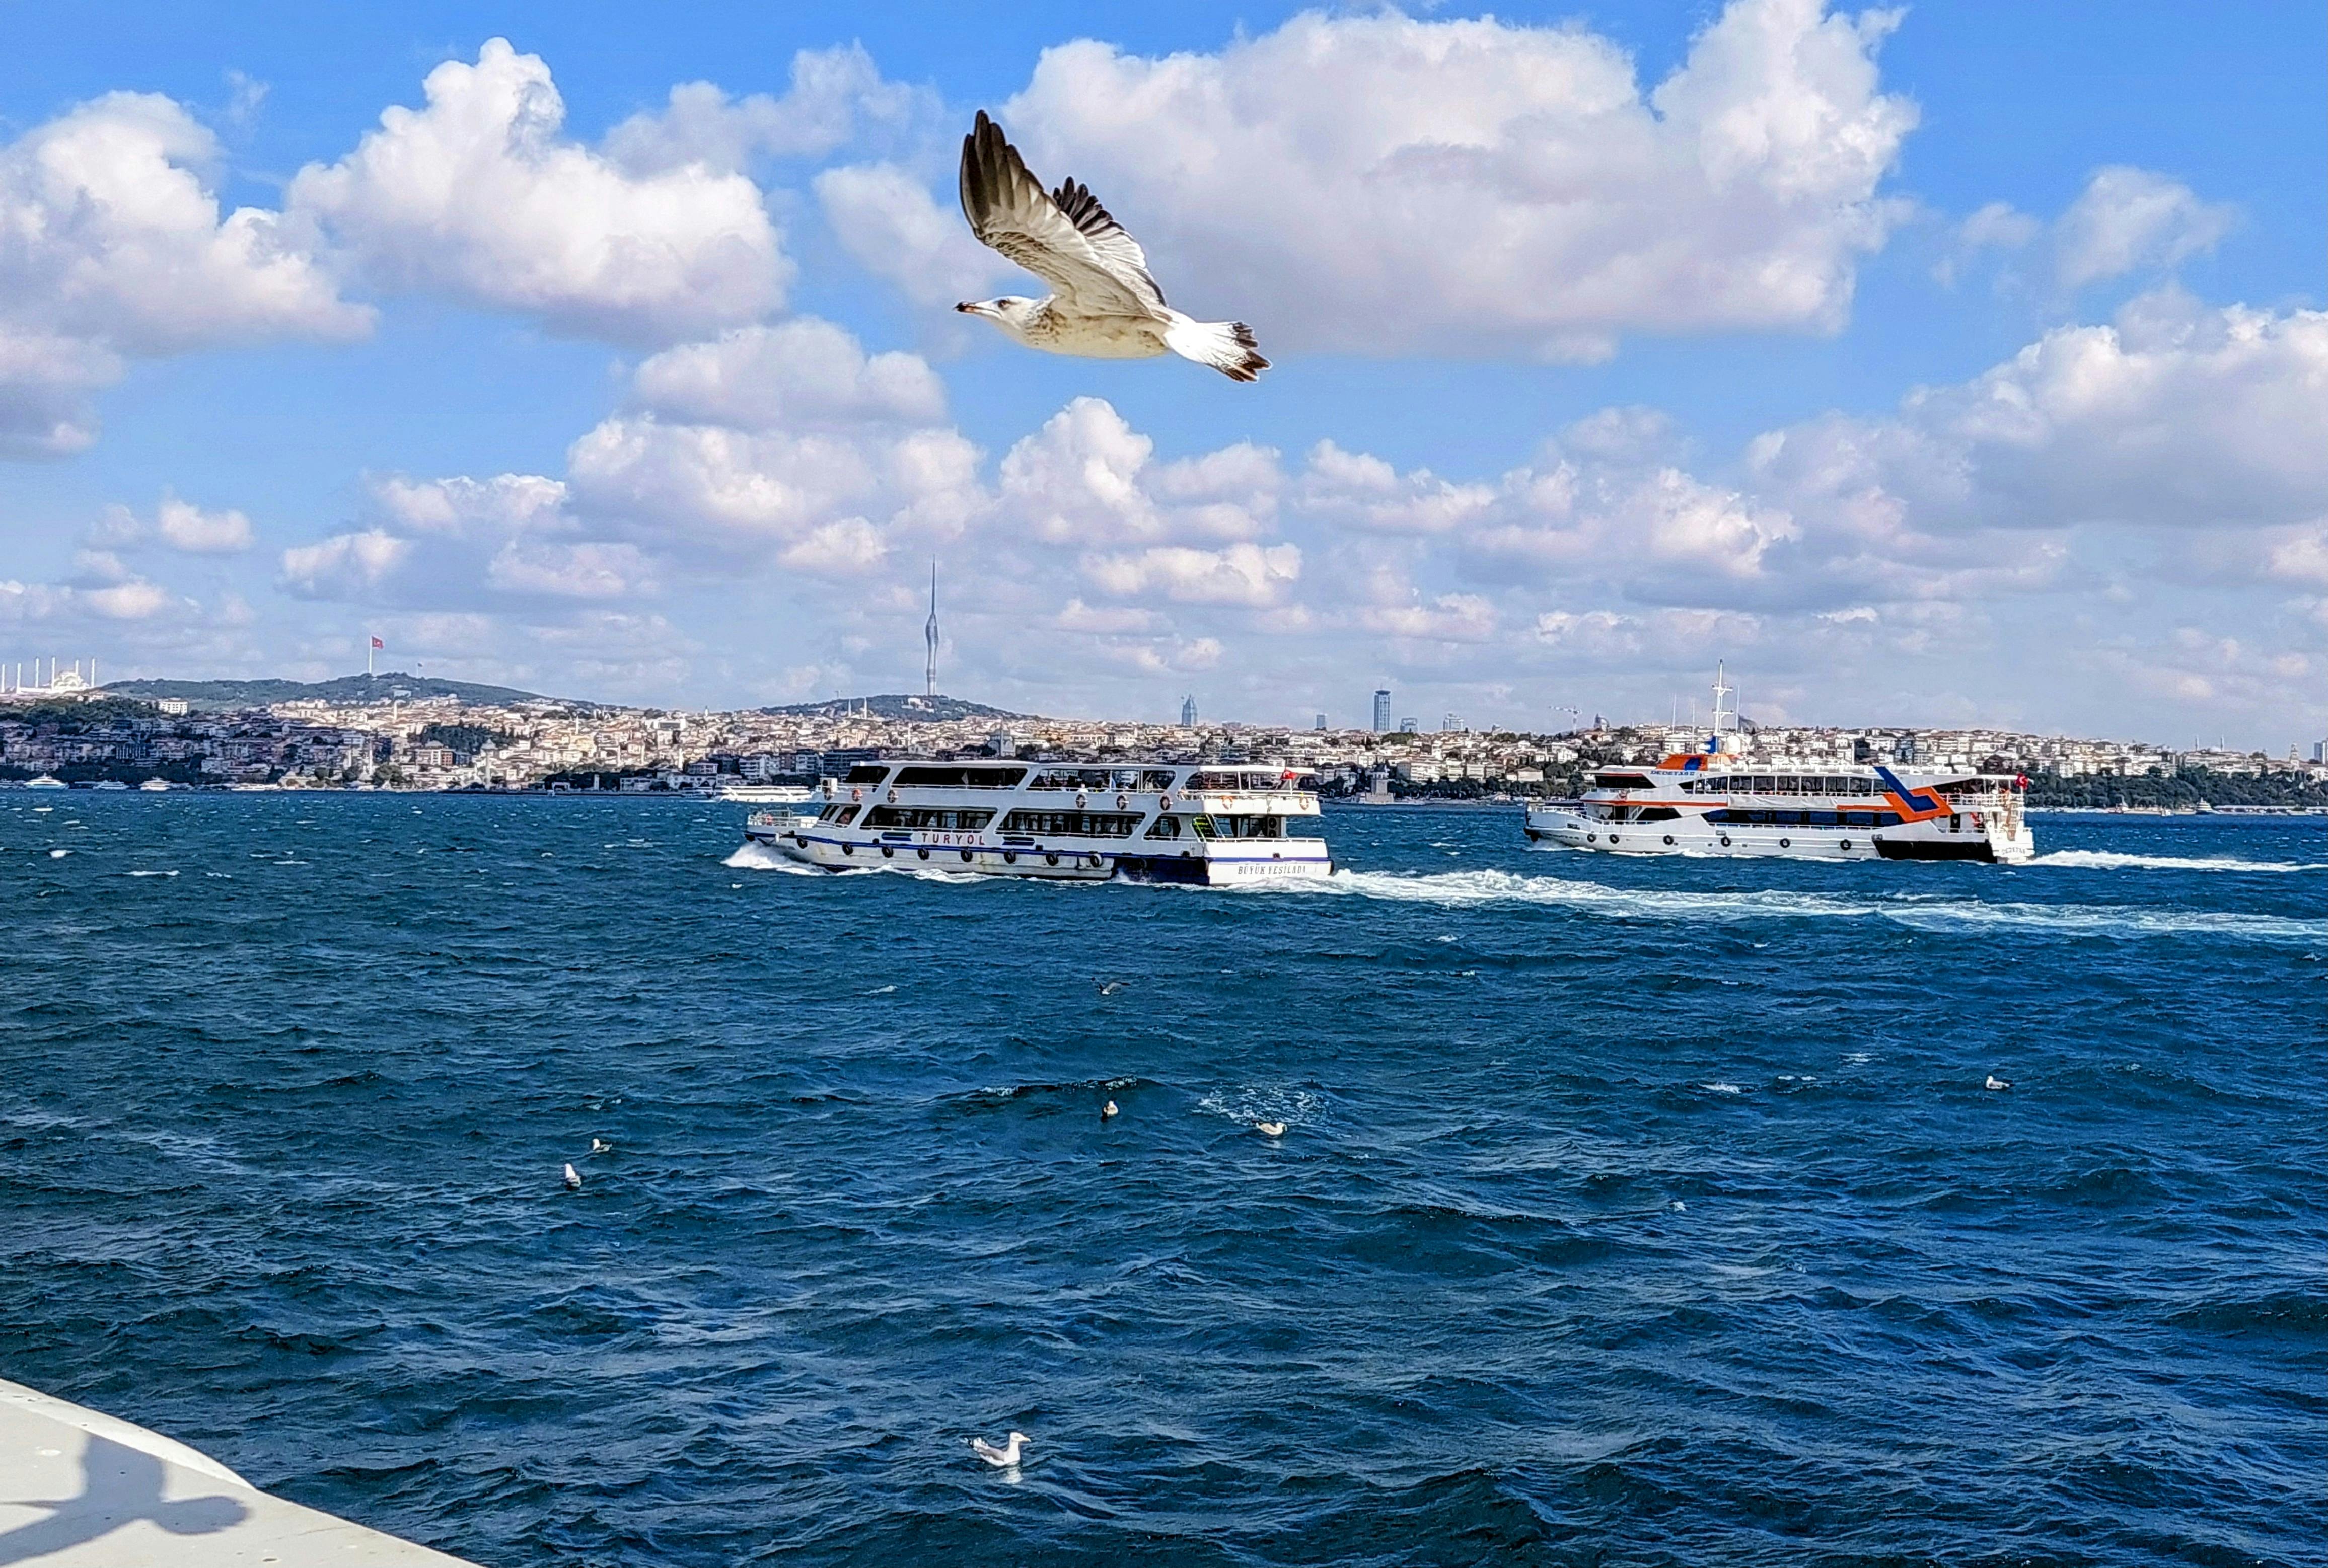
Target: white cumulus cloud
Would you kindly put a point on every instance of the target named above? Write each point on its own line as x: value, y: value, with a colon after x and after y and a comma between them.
x: 2128, y: 218
x: 479, y: 196
x: 1383, y: 184
x: 113, y: 245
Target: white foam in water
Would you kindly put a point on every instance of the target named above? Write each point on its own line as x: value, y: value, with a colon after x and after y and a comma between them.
x: 2110, y: 860
x: 1475, y: 887
x: 755, y: 857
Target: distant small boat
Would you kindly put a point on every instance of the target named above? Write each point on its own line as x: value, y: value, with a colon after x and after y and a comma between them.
x: 111, y: 783
x: 154, y: 786
x: 46, y: 782
x: 765, y: 794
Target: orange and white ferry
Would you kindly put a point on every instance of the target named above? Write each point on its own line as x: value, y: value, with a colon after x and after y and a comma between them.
x: 1717, y: 801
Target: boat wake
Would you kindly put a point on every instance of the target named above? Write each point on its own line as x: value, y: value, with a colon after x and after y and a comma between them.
x: 2111, y: 860
x: 1462, y: 888
x: 750, y: 857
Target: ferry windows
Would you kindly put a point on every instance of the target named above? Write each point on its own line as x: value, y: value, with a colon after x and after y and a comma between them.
x: 1079, y: 824
x: 841, y: 815
x: 865, y: 772
x: 1656, y: 815
x: 1165, y: 828
x: 1156, y: 778
x: 961, y: 778
x: 928, y: 818
x: 1859, y: 819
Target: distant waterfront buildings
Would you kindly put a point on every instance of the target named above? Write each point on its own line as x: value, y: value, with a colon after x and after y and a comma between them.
x: 1382, y: 711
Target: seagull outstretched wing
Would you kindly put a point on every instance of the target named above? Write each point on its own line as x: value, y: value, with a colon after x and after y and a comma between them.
x: 1066, y: 238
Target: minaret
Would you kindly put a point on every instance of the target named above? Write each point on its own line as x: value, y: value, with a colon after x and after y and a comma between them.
x: 930, y: 636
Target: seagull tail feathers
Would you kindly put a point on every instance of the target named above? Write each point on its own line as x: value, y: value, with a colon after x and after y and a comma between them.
x: 1225, y: 346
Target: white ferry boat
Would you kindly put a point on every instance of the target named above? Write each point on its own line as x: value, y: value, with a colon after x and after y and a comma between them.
x: 1215, y: 824
x: 766, y: 793
x: 1716, y: 801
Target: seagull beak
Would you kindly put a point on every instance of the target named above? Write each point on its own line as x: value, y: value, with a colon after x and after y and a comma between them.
x: 966, y: 306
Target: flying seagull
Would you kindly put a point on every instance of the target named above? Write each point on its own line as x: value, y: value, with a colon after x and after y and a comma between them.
x: 1106, y: 305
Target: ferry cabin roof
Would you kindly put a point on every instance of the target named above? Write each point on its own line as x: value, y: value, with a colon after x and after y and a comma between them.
x: 1198, y: 777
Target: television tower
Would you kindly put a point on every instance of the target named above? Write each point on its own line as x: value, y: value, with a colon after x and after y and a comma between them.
x: 930, y: 636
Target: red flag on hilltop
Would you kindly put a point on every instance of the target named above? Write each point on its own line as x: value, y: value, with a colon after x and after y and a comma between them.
x: 377, y: 643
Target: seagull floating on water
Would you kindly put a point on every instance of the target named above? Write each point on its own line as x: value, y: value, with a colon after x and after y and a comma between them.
x: 999, y: 1458
x: 1107, y: 1111
x: 1109, y: 986
x: 573, y: 1177
x: 1997, y: 1082
x: 1103, y: 306
x: 600, y: 1146
x: 1270, y: 1128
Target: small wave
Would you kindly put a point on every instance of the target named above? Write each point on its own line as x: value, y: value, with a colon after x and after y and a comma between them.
x: 2111, y: 860
x: 1477, y: 888
x: 1718, y: 1087
x: 59, y: 854
x: 1263, y: 1102
x: 152, y: 873
x: 881, y: 991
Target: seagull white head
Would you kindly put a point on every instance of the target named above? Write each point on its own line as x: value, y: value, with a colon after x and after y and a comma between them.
x: 1009, y: 311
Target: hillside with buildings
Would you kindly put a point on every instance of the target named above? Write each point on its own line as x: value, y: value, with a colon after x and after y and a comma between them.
x: 399, y: 732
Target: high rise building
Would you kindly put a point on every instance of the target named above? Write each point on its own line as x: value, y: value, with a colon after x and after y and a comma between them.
x: 1189, y: 711
x: 1382, y: 711
x: 1322, y: 721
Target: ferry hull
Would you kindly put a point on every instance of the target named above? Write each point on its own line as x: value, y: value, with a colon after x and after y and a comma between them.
x: 1293, y: 860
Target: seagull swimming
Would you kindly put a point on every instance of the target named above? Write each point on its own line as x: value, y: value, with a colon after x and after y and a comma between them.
x: 1270, y: 1128
x: 1104, y: 305
x: 600, y: 1146
x: 999, y: 1458
x: 1109, y: 986
x: 1997, y: 1082
x: 573, y: 1177
x: 1107, y: 1111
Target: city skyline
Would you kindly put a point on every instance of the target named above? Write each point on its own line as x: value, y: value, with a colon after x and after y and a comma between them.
x: 1953, y: 390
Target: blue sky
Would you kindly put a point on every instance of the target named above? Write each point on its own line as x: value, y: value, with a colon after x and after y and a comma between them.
x: 1947, y: 364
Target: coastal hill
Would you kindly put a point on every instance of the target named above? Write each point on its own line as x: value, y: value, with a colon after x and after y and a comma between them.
x: 897, y: 706
x: 381, y: 688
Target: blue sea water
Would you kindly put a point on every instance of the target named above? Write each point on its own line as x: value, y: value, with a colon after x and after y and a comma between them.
x: 1628, y: 1211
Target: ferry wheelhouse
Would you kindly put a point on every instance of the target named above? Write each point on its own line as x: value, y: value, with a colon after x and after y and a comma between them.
x: 1717, y: 801
x: 1202, y: 822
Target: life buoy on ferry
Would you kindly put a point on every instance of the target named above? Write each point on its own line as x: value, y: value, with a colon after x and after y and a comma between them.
x: 1081, y: 800
x: 1786, y: 843
x: 1725, y: 841
x: 1668, y: 838
x: 1846, y: 844
x: 1123, y: 802
x: 1165, y: 801
x: 856, y: 795
x: 925, y: 854
x: 891, y: 797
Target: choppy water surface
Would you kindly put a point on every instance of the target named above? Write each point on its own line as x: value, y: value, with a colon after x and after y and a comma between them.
x: 1630, y: 1211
